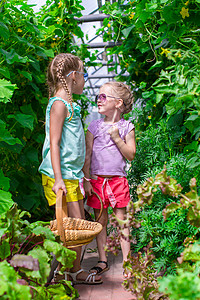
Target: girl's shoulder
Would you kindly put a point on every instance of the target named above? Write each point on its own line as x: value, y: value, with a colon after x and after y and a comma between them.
x: 76, y: 107
x: 125, y: 125
x: 94, y: 125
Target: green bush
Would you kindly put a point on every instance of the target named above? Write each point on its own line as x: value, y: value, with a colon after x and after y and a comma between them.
x: 26, y: 252
x: 167, y: 236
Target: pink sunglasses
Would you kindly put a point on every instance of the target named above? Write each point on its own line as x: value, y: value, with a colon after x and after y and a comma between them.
x: 103, y: 98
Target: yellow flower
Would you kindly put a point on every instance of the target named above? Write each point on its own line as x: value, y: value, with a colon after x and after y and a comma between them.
x: 186, y: 3
x: 60, y: 4
x: 181, y: 140
x: 131, y: 16
x: 178, y: 54
x: 19, y: 30
x: 184, y: 12
x: 164, y: 51
x: 109, y: 25
x: 53, y: 45
x: 149, y: 117
x: 154, y: 105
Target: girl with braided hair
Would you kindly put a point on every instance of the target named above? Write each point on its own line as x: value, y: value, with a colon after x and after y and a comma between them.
x: 64, y: 146
x: 109, y: 141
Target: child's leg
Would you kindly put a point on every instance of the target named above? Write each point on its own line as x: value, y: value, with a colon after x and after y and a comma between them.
x: 125, y: 244
x: 101, y: 242
x: 102, y: 236
x: 76, y: 210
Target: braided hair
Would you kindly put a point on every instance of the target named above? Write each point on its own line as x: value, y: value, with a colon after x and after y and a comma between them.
x: 124, y: 92
x: 59, y: 67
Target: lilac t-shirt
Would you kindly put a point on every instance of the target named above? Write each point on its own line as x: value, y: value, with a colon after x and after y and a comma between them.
x: 106, y: 157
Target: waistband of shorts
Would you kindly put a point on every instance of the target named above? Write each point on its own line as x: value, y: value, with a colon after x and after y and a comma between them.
x: 101, y: 178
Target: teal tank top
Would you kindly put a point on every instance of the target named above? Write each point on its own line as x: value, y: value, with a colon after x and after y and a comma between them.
x: 72, y: 146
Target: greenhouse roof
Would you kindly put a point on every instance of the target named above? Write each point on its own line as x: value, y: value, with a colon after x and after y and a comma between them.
x: 91, y: 21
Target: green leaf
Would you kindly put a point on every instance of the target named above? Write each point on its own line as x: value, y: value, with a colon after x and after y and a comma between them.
x: 4, y: 182
x: 169, y: 209
x: 193, y: 162
x: 6, y: 90
x: 24, y: 120
x: 4, y: 249
x: 63, y: 255
x: 159, y: 97
x: 5, y: 72
x: 144, y: 15
x: 4, y: 31
x: 44, y: 265
x: 156, y: 65
x: 5, y: 201
x: 10, y: 288
x: 49, y: 53
x: 192, y: 147
x: 6, y: 137
x: 12, y: 57
x: 147, y: 94
x: 127, y: 30
x: 193, y: 117
x: 166, y: 89
x: 174, y: 105
x: 44, y: 231
x: 171, y: 14
x: 26, y: 74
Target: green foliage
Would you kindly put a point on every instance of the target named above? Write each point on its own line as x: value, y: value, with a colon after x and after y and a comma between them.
x: 160, y: 46
x: 186, y: 283
x: 26, y: 47
x: 26, y: 252
x: 167, y: 236
x: 158, y: 146
x: 142, y: 281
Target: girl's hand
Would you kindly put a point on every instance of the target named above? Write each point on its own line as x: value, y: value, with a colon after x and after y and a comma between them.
x: 59, y: 185
x: 87, y: 187
x: 114, y: 132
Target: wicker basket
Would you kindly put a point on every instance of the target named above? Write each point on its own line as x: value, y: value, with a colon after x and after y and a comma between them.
x: 73, y: 231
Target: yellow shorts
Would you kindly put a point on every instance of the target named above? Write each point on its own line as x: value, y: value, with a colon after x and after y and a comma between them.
x: 72, y: 186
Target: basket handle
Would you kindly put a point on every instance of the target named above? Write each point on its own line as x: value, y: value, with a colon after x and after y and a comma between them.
x: 61, y: 212
x: 101, y: 209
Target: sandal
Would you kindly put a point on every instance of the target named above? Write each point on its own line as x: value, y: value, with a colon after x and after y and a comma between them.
x: 90, y: 279
x: 100, y: 270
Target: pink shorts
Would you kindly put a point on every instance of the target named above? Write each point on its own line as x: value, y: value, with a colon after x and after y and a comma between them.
x: 114, y: 191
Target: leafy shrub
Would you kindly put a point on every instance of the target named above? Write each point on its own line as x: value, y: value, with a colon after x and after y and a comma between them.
x: 167, y: 236
x: 26, y: 252
x: 185, y: 284
x: 156, y: 147
x: 26, y: 47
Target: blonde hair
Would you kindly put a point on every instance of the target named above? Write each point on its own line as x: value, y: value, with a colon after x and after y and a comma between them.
x: 124, y: 92
x: 59, y: 67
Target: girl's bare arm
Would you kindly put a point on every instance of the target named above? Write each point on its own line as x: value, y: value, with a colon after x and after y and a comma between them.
x: 58, y: 114
x: 86, y: 167
x: 127, y: 148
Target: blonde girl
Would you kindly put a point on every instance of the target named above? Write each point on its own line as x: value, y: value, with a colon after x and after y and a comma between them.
x: 109, y: 142
x: 64, y: 146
